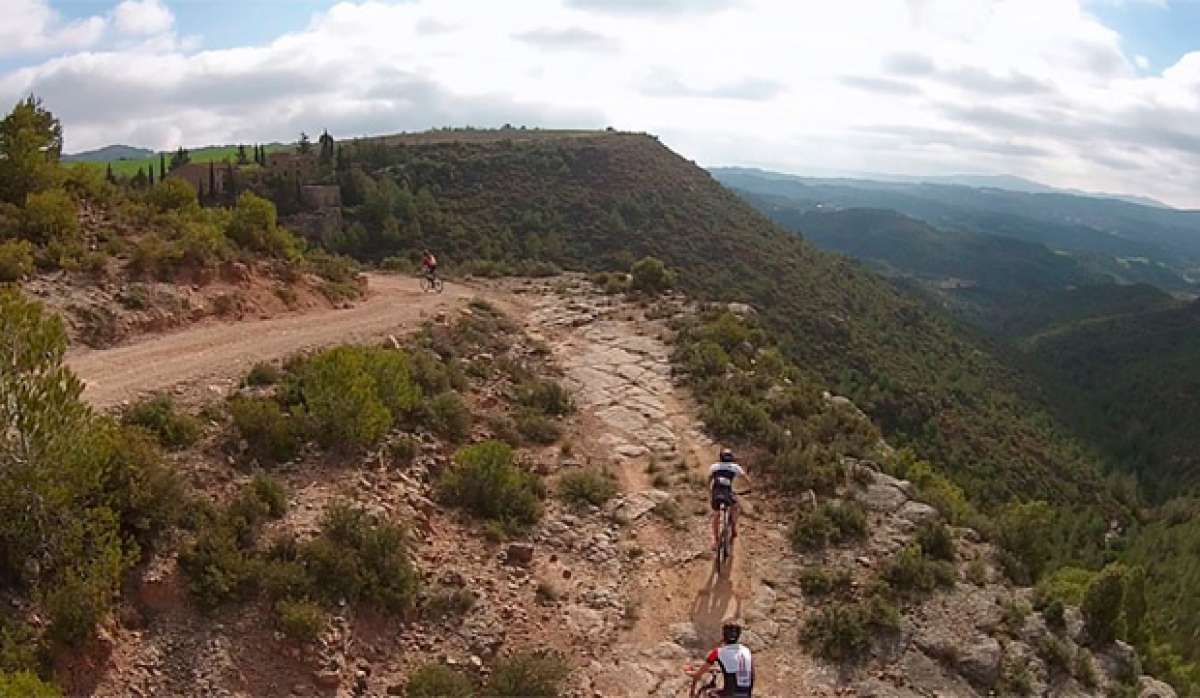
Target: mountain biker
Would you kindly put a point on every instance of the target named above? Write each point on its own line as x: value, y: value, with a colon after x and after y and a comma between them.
x: 429, y: 264
x: 720, y: 478
x: 736, y: 664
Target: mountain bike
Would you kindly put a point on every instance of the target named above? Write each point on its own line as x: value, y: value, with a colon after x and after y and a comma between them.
x: 725, y: 536
x: 707, y: 689
x: 431, y: 283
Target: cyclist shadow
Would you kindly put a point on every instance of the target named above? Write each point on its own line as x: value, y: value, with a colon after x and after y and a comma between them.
x: 713, y: 605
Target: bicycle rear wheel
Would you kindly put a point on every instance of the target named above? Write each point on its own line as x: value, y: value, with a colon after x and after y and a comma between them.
x: 723, y: 540
x: 438, y: 286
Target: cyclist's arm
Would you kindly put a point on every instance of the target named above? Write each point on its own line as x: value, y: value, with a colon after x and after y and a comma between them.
x: 699, y: 674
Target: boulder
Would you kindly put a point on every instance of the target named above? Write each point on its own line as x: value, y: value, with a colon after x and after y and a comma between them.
x: 979, y: 661
x: 1149, y: 687
x: 917, y: 512
x: 519, y: 554
x: 881, y: 497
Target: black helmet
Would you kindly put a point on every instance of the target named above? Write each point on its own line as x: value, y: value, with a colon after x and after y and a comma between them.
x: 730, y: 632
x: 726, y: 455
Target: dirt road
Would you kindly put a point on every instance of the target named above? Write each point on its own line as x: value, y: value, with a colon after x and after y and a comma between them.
x: 196, y: 354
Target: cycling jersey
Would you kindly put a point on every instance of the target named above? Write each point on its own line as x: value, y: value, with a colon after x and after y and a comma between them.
x: 737, y: 669
x: 722, y: 475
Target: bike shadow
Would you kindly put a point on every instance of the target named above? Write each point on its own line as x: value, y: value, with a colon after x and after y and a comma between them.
x: 715, y: 603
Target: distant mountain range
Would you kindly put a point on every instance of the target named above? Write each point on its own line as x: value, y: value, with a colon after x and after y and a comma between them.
x: 110, y: 153
x: 977, y: 181
x: 1129, y: 239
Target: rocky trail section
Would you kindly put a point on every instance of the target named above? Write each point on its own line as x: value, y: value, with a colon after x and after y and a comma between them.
x: 219, y: 351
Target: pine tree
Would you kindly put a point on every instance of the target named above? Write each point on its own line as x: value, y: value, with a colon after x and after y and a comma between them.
x: 241, y: 156
x: 304, y: 147
x: 212, y: 177
x: 327, y: 146
x: 108, y: 174
x: 162, y: 166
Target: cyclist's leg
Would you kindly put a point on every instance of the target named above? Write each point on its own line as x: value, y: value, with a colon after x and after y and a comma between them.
x: 733, y: 518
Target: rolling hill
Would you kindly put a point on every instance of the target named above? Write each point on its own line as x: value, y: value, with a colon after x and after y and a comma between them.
x: 1144, y: 243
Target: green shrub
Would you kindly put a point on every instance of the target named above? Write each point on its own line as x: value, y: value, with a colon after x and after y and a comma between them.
x: 16, y: 260
x: 253, y: 227
x: 271, y: 436
x: 1055, y: 614
x: 270, y: 492
x: 153, y: 257
x: 336, y: 268
x: 353, y: 394
x: 172, y: 194
x: 24, y: 684
x: 547, y: 397
x: 485, y: 482
x: 1056, y: 653
x: 201, y: 246
x: 173, y: 429
x: 1014, y: 614
x: 1083, y: 668
x: 218, y: 568
x: 650, y: 276
x: 438, y: 681
x: 263, y: 373
x: 584, y: 487
x: 936, y: 541
x: 829, y: 524
x: 51, y: 216
x: 528, y: 675
x: 934, y: 488
x: 537, y: 428
x: 300, y: 620
x: 734, y: 417
x: 808, y: 467
x: 815, y: 581
x: 911, y: 570
x: 449, y: 603
x: 449, y: 416
x: 838, y: 633
x: 616, y: 283
x: 1066, y: 584
x: 1024, y: 535
x: 403, y: 450
x: 706, y: 360
x: 357, y: 557
x: 1102, y: 605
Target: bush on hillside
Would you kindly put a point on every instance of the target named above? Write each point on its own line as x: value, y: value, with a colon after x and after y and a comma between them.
x: 732, y: 416
x: 528, y: 675
x: 816, y: 581
x: 438, y: 681
x: 253, y: 227
x: 1066, y: 584
x: 25, y: 684
x: 270, y: 492
x: 51, y: 216
x: 263, y: 373
x: 154, y: 258
x: 546, y: 396
x: 172, y: 194
x: 201, y: 246
x: 300, y: 620
x: 842, y: 632
x: 936, y: 541
x: 271, y: 435
x: 912, y: 570
x: 485, y: 481
x: 650, y: 276
x: 354, y: 394
x: 159, y: 415
x: 537, y: 428
x: 586, y: 487
x: 1023, y: 532
x: 449, y: 416
x: 829, y: 524
x: 357, y: 557
x: 1102, y: 605
x: 16, y: 260
x: 448, y: 603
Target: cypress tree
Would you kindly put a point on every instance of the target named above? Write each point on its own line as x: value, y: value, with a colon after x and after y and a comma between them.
x: 212, y: 177
x: 152, y: 176
x: 162, y: 166
x: 108, y: 174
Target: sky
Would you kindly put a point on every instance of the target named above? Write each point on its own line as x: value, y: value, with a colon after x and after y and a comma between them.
x: 1099, y: 95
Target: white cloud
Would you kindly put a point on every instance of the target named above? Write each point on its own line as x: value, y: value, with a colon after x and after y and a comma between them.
x: 34, y: 26
x: 1141, y: 62
x: 1038, y: 88
x: 143, y: 17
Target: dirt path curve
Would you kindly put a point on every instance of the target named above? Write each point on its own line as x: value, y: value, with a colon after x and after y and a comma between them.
x: 225, y: 350
x: 632, y: 415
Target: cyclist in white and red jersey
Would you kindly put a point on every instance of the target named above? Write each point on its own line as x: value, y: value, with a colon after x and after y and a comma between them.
x: 736, y: 665
x: 720, y: 477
